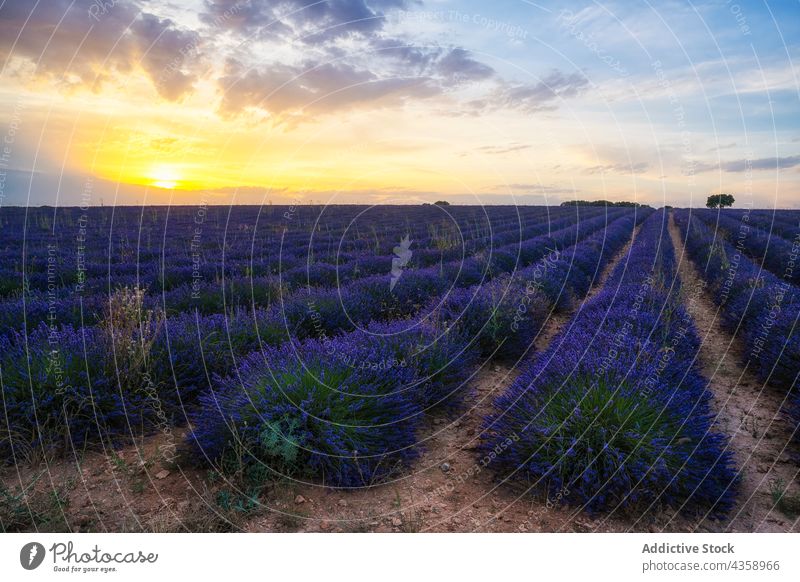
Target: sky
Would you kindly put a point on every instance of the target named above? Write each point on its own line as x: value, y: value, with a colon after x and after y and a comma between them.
x: 120, y: 102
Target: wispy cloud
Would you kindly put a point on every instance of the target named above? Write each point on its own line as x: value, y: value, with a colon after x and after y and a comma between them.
x: 720, y: 147
x: 745, y: 165
x: 622, y: 168
x: 503, y: 149
x: 544, y: 95
x: 537, y: 188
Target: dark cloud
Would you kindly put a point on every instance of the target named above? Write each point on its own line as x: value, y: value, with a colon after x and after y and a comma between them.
x: 762, y: 164
x: 164, y: 52
x: 454, y: 66
x: 84, y: 42
x: 320, y: 86
x: 458, y: 66
x: 306, y: 20
x: 239, y: 15
x: 413, y: 57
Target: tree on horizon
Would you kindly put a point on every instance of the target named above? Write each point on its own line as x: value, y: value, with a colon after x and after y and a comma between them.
x: 720, y: 201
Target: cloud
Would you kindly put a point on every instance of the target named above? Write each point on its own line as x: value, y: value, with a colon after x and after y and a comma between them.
x: 539, y: 188
x: 622, y: 168
x: 415, y: 57
x: 745, y: 165
x: 347, y: 59
x: 764, y: 164
x: 453, y: 65
x: 457, y: 66
x: 314, y: 88
x: 164, y: 51
x: 336, y: 81
x: 318, y: 86
x: 83, y: 42
x: 247, y: 17
x: 309, y: 21
x: 545, y: 95
x: 503, y: 149
x: 725, y: 146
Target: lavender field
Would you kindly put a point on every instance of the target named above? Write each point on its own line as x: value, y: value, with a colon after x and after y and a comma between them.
x: 399, y: 368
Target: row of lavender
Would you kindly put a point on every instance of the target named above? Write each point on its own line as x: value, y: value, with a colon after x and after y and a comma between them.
x: 322, y: 385
x: 781, y: 223
x: 756, y: 305
x: 760, y: 240
x: 615, y: 415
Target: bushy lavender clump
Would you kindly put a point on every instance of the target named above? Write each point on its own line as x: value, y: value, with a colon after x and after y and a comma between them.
x: 315, y: 275
x: 501, y: 318
x: 212, y: 297
x: 187, y: 351
x: 442, y: 359
x: 614, y: 415
x: 371, y: 265
x: 190, y: 349
x: 60, y: 394
x: 463, y: 273
x: 335, y: 409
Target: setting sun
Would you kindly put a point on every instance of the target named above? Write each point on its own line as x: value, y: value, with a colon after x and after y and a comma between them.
x: 166, y: 177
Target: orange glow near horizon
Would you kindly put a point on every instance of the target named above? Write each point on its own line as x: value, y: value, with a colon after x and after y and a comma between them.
x: 179, y: 149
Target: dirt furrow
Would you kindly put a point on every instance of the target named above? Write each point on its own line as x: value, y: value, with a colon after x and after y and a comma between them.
x: 747, y: 411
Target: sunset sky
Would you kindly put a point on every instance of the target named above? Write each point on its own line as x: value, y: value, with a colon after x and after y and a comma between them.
x: 369, y: 101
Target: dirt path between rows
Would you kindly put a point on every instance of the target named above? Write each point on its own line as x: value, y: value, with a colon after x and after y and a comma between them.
x: 747, y: 411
